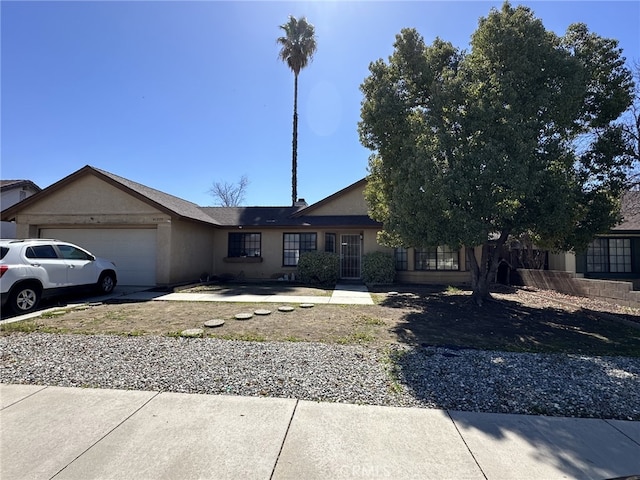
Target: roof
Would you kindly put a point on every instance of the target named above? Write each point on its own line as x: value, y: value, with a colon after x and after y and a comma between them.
x: 278, y: 217
x: 330, y: 198
x: 630, y: 210
x: 263, y: 217
x: 14, y: 184
x: 163, y: 201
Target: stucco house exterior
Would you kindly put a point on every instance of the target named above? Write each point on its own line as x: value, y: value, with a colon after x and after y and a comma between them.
x: 159, y: 239
x: 12, y: 192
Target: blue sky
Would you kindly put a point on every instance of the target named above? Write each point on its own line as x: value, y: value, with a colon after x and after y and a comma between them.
x: 179, y: 95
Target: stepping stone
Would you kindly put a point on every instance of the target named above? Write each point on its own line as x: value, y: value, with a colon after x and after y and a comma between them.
x: 243, y: 316
x: 306, y: 305
x: 216, y: 322
x: 95, y: 304
x: 262, y: 312
x: 192, y: 332
x: 286, y: 308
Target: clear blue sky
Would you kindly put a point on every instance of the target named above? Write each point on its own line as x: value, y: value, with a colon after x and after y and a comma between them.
x: 179, y: 95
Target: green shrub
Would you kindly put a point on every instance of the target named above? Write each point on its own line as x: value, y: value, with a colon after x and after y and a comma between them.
x: 319, y: 268
x: 378, y: 267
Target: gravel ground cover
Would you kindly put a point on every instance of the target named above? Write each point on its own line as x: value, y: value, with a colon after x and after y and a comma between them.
x: 531, y: 352
x: 397, y: 375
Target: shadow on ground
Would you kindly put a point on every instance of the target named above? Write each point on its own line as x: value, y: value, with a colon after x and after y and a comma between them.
x: 448, y: 317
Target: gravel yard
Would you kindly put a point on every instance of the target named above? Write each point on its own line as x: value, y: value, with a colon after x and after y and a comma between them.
x: 528, y: 352
x: 472, y: 380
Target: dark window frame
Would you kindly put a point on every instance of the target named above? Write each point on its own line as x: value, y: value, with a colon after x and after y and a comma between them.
x: 436, y: 259
x: 401, y: 256
x: 333, y: 242
x: 292, y: 247
x: 609, y: 255
x: 244, y: 244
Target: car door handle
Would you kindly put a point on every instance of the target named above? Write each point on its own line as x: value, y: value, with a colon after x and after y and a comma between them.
x: 36, y: 265
x: 72, y: 266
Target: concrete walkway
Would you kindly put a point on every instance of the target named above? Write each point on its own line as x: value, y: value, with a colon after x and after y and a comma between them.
x: 73, y: 433
x: 342, y: 295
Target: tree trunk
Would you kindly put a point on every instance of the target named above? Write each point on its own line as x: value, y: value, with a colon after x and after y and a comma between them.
x: 483, y: 273
x: 294, y: 155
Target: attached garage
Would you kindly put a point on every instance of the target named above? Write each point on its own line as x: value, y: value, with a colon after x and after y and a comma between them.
x: 153, y: 237
x: 132, y: 249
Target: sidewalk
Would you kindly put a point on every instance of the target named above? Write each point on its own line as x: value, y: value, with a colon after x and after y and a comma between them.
x: 342, y: 295
x: 73, y: 433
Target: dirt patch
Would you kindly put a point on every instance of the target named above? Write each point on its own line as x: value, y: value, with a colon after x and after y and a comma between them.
x: 516, y: 320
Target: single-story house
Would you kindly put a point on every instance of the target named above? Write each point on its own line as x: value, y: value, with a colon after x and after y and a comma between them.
x: 159, y: 239
x: 614, y: 255
x: 12, y: 192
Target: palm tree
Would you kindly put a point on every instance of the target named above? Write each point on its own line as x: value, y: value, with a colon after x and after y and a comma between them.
x: 298, y: 46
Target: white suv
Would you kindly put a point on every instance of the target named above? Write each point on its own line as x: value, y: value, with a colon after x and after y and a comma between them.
x: 35, y: 268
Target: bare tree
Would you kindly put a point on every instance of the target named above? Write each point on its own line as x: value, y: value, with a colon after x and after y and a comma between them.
x: 230, y: 194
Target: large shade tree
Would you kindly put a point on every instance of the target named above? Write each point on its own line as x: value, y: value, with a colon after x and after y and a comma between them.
x: 298, y: 45
x: 516, y: 136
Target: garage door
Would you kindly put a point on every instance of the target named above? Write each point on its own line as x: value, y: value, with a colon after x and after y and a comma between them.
x: 133, y: 250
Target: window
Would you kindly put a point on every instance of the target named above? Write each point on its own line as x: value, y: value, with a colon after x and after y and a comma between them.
x: 330, y: 242
x: 244, y: 244
x: 296, y: 243
x: 436, y: 258
x: 609, y: 255
x: 402, y: 262
x: 41, y: 251
x: 72, y: 253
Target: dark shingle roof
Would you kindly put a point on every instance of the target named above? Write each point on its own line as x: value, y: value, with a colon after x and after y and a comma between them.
x: 630, y: 212
x: 282, y: 217
x: 263, y: 217
x: 179, y: 206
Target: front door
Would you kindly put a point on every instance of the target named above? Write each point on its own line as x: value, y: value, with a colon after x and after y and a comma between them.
x: 350, y: 256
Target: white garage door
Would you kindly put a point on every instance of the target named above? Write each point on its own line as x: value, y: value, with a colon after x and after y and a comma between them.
x: 133, y: 250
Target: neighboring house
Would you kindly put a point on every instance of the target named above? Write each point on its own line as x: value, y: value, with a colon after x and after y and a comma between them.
x: 158, y: 239
x: 615, y: 255
x: 12, y: 192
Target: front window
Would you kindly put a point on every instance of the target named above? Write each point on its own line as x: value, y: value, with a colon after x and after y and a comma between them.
x: 436, y: 258
x: 609, y: 255
x: 244, y: 244
x: 296, y: 243
x: 402, y: 262
x: 330, y: 242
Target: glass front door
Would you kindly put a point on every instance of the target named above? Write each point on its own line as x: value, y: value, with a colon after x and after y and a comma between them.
x: 350, y: 256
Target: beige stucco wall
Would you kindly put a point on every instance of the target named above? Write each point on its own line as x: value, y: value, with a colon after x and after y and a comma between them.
x: 89, y: 195
x: 350, y: 203
x: 563, y: 261
x: 191, y: 251
x: 269, y: 266
x: 184, y: 249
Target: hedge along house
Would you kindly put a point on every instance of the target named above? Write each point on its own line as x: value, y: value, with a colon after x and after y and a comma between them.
x: 159, y: 239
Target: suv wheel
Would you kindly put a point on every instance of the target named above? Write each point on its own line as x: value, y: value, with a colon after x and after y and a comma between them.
x: 106, y: 283
x: 24, y: 298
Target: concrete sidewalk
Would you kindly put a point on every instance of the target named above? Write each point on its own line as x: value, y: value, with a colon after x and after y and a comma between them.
x: 73, y: 433
x: 342, y: 295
